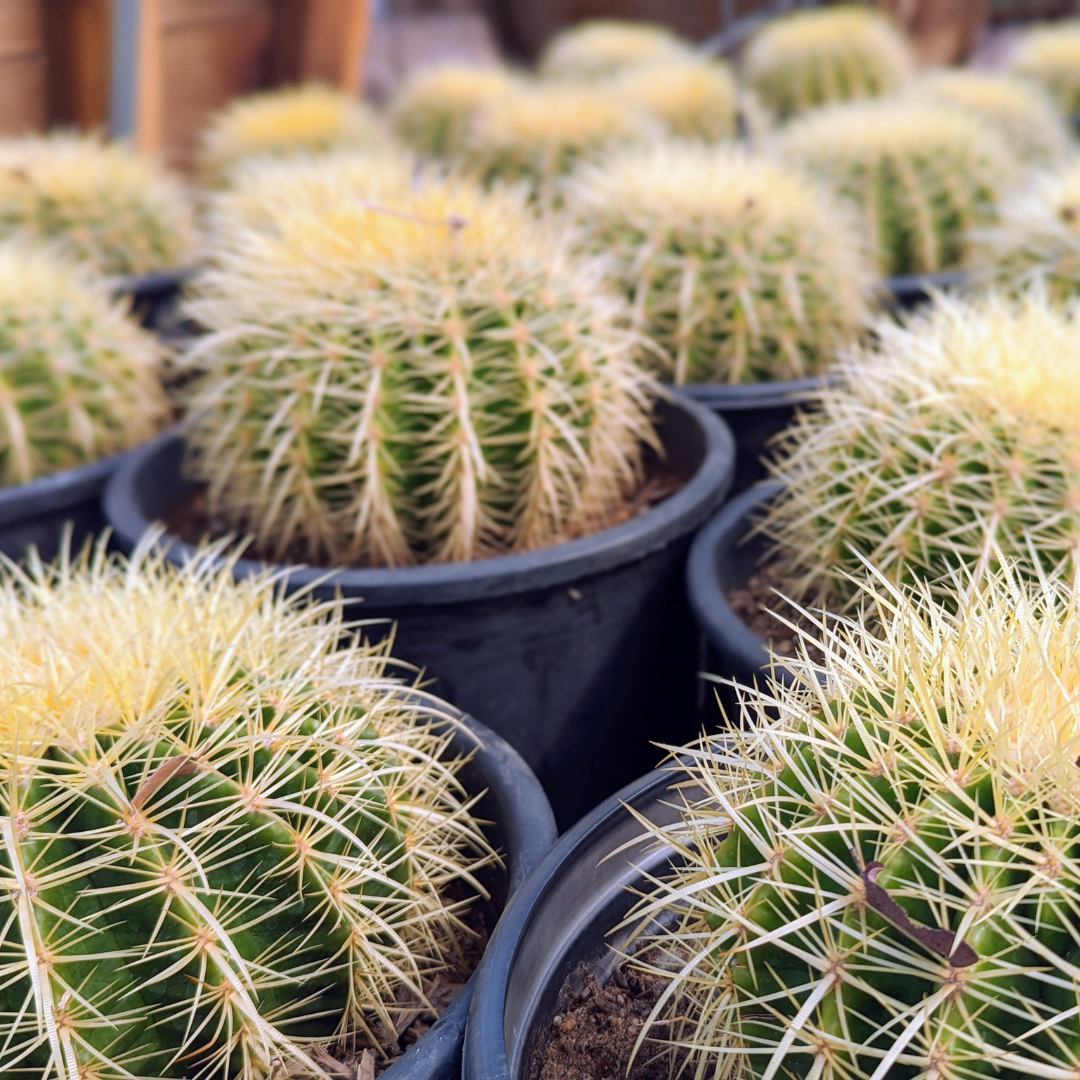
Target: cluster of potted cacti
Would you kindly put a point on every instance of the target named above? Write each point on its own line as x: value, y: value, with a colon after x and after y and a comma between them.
x: 446, y: 423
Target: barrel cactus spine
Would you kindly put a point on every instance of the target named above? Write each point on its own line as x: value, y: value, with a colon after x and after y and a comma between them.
x: 78, y: 379
x: 433, y: 110
x: 398, y: 374
x: 921, y: 176
x: 1051, y: 56
x: 953, y: 439
x: 733, y: 267
x: 807, y: 59
x: 287, y: 122
x: 602, y: 47
x: 692, y: 99
x: 1020, y: 110
x: 229, y: 829
x: 876, y: 875
x: 1036, y: 242
x: 101, y: 203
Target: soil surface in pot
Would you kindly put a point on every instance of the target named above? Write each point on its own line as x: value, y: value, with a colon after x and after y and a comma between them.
x: 593, y: 1033
x: 189, y: 519
x: 758, y: 604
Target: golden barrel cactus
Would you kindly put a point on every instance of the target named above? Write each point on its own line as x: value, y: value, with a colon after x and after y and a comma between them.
x: 100, y: 203
x: 920, y: 176
x: 78, y: 379
x: 734, y: 267
x: 602, y: 47
x: 811, y: 58
x: 432, y: 111
x: 875, y: 873
x: 291, y: 121
x: 1051, y: 56
x: 955, y: 438
x: 410, y: 372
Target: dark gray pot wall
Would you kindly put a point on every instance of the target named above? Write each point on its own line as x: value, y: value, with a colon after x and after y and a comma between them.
x: 155, y: 299
x: 522, y: 829
x: 581, y: 655
x: 36, y: 514
x: 909, y: 291
x: 558, y: 926
x: 755, y: 412
x: 722, y: 558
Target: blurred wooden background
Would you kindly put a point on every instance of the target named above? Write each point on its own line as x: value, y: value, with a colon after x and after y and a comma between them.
x: 57, y: 56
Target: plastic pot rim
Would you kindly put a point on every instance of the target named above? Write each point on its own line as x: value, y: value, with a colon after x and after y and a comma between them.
x: 58, y: 491
x: 530, y: 827
x: 708, y: 601
x: 743, y: 397
x: 502, y: 575
x: 485, y: 1053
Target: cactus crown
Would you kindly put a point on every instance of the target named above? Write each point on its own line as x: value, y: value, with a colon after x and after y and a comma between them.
x: 920, y: 175
x: 693, y: 100
x: 100, y: 202
x: 1020, y: 110
x: 232, y: 836
x: 958, y: 435
x: 433, y: 110
x: 734, y: 268
x: 877, y: 872
x: 405, y: 373
x: 78, y: 379
x: 811, y: 58
x: 310, y: 119
x: 539, y: 132
x: 603, y: 46
x: 1037, y: 238
x: 1051, y: 56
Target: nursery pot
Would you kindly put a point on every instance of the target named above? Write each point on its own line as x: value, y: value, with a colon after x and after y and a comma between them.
x: 37, y: 514
x: 521, y: 829
x: 908, y: 291
x: 556, y: 930
x: 155, y: 299
x: 755, y: 412
x: 579, y: 654
x: 723, y: 557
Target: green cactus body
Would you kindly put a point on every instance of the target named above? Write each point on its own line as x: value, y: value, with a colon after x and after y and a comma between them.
x: 78, y: 379
x: 734, y: 269
x: 953, y: 440
x: 1037, y: 239
x: 811, y: 58
x: 601, y: 47
x: 1051, y: 56
x: 432, y: 112
x: 225, y: 836
x: 288, y: 122
x: 692, y: 99
x: 540, y: 132
x: 920, y: 176
x: 1025, y: 116
x: 877, y: 872
x: 100, y: 203
x: 403, y: 374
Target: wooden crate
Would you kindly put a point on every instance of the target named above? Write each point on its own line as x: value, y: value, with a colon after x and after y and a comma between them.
x: 23, y: 102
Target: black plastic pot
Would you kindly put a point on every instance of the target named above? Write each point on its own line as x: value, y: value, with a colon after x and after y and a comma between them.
x: 522, y: 829
x: 155, y: 300
x: 908, y: 291
x: 581, y: 654
x: 723, y: 557
x: 557, y: 927
x: 755, y: 412
x: 36, y: 514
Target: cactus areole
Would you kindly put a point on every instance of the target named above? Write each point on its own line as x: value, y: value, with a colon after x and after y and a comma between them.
x: 223, y: 836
